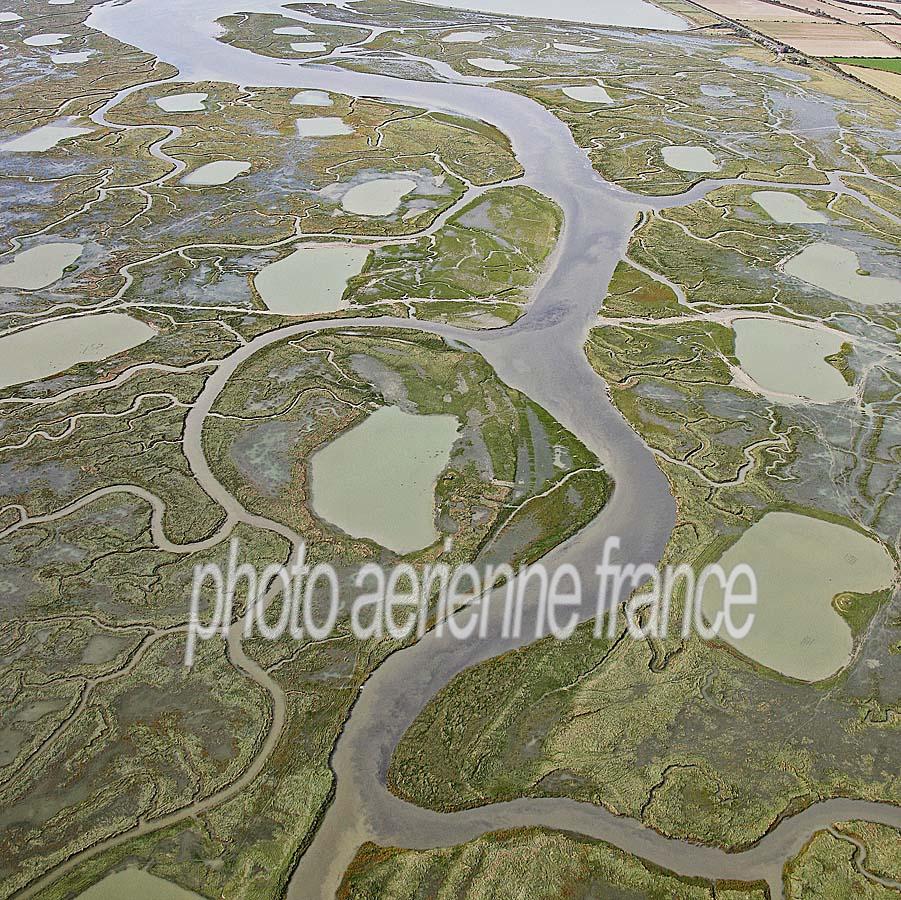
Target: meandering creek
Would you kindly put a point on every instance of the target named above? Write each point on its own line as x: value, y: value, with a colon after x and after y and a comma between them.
x: 542, y: 356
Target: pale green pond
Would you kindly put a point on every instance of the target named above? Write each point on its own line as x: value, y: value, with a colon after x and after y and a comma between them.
x: 192, y: 102
x: 10, y: 17
x: 380, y: 197
x: 310, y: 280
x: 576, y: 48
x: 136, y: 884
x: 309, y: 47
x: 312, y: 98
x: 591, y: 93
x: 690, y: 159
x: 323, y: 126
x: 791, y: 359
x: 68, y: 59
x: 220, y: 172
x: 44, y: 138
x: 466, y: 37
x: 835, y: 269
x: 378, y: 480
x: 781, y: 206
x: 55, y: 346
x: 293, y: 29
x: 488, y: 64
x: 801, y: 564
x: 38, y: 267
x: 45, y: 40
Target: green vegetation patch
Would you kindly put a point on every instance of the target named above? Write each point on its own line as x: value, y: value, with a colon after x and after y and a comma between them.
x: 486, y: 258
x: 617, y: 722
x: 543, y: 864
x: 833, y: 867
x: 885, y: 64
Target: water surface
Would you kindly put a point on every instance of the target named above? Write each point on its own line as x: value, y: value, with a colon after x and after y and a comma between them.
x: 380, y: 197
x: 309, y: 47
x: 310, y: 280
x: 690, y: 159
x: 46, y: 137
x: 76, y: 56
x: 220, y: 172
x: 801, y: 563
x: 466, y: 37
x: 55, y: 346
x: 634, y: 13
x: 492, y: 65
x: 836, y: 269
x: 46, y: 40
x: 38, y: 267
x: 378, y: 479
x: 593, y: 93
x: 576, y: 48
x: 183, y: 102
x: 312, y: 98
x: 136, y: 884
x: 782, y: 206
x: 323, y: 126
x: 791, y: 359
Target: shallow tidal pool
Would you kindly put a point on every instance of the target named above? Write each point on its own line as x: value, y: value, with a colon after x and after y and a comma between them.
x: 690, y: 159
x: 38, y: 267
x: 801, y: 564
x: 588, y: 93
x: 379, y: 197
x: 791, y: 359
x: 214, y: 173
x: 377, y: 480
x: 192, y: 102
x: 788, y: 208
x: 310, y: 280
x: 55, y: 346
x: 136, y: 884
x: 322, y: 126
x: 46, y: 137
x: 489, y: 64
x: 836, y: 269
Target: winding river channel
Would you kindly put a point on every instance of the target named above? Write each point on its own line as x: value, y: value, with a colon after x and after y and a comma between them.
x: 541, y: 355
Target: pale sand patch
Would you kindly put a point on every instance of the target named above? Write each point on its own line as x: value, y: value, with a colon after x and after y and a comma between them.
x: 756, y: 10
x: 887, y: 82
x: 845, y: 13
x: 492, y: 65
x: 828, y: 39
x: 892, y: 32
x: 854, y: 15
